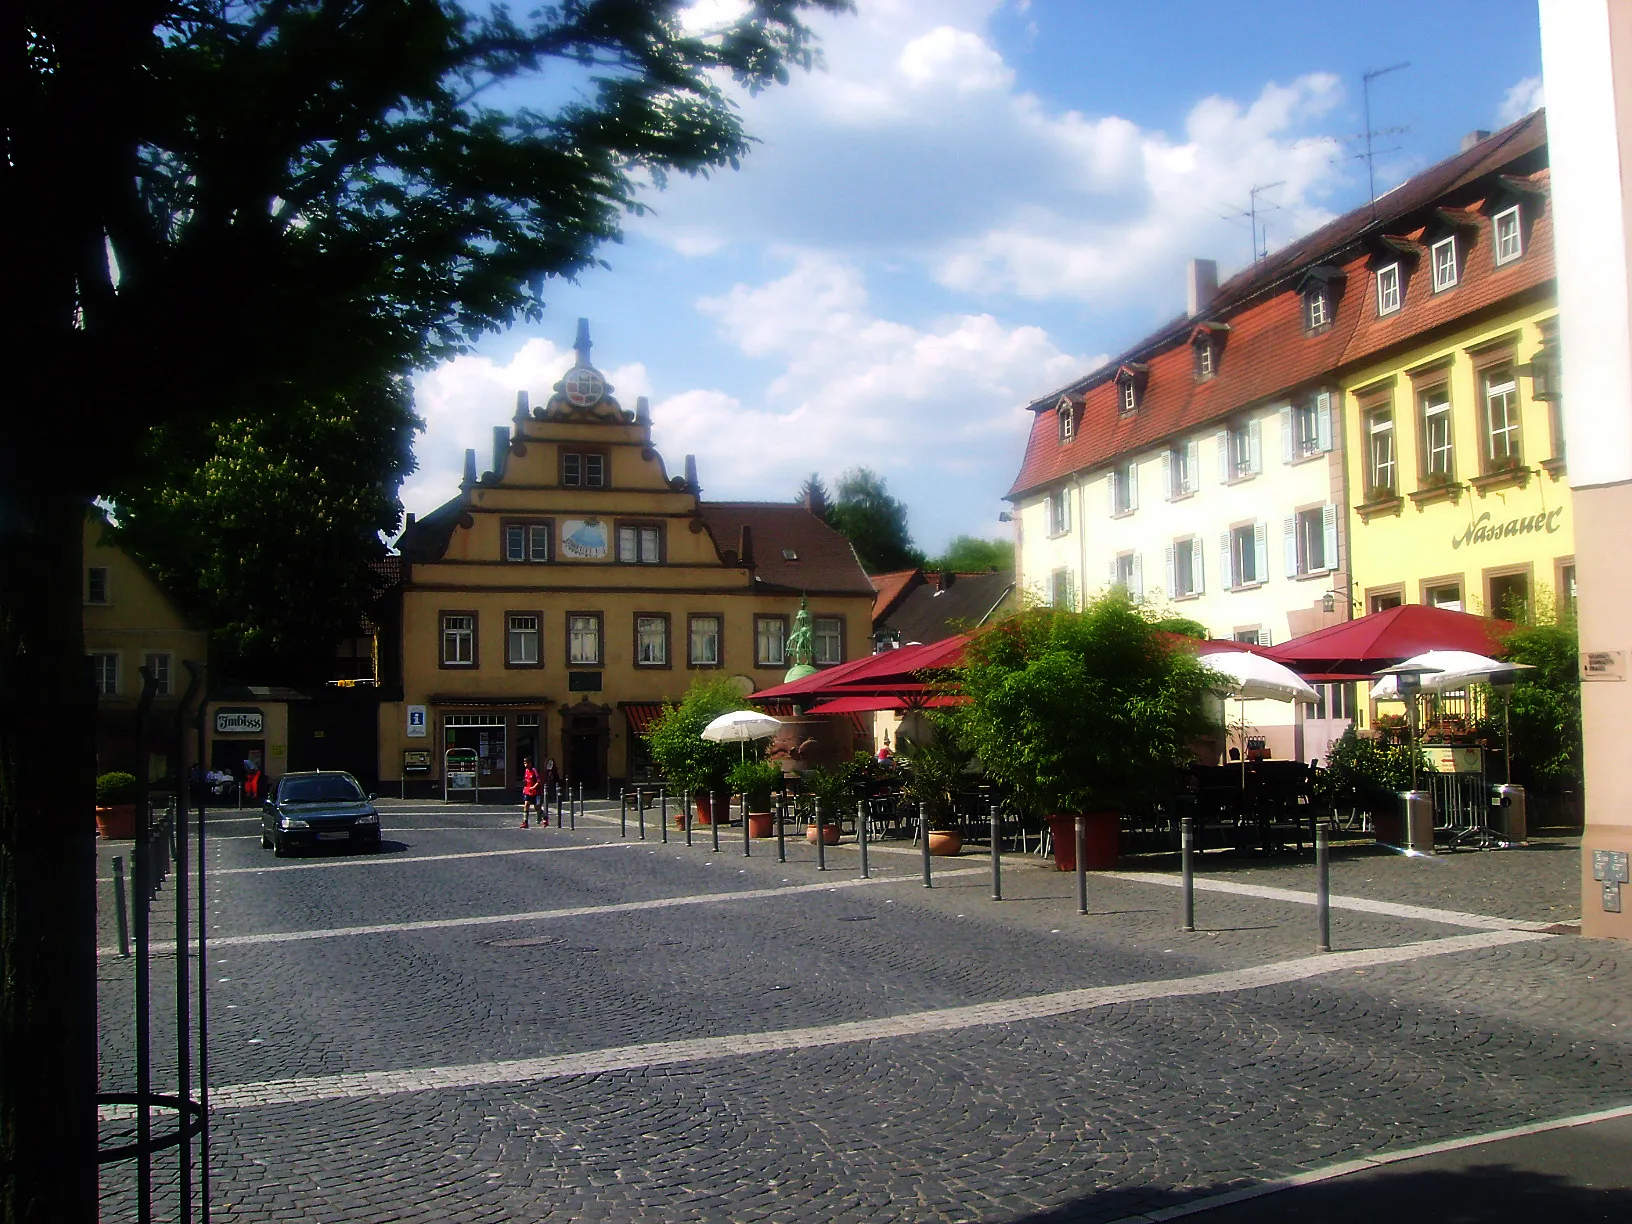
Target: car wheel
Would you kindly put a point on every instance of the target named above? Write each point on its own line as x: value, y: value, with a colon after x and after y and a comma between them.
x: 279, y: 849
x: 266, y: 842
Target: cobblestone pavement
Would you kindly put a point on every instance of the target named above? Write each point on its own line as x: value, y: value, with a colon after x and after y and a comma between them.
x: 1020, y: 1062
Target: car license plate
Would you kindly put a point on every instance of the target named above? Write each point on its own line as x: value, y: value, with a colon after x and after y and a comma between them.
x: 333, y: 836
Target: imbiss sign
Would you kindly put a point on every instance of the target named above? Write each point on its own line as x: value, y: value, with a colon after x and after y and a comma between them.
x: 238, y: 722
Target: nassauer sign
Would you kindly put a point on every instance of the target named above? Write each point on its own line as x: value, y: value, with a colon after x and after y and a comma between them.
x: 1484, y: 529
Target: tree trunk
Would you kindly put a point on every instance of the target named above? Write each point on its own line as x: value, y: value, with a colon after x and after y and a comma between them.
x: 48, y: 1071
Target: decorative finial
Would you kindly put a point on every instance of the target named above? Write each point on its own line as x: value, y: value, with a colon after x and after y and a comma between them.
x: 581, y: 346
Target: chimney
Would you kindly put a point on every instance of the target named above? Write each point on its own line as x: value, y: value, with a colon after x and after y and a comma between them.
x: 522, y: 410
x: 643, y: 411
x: 1474, y: 137
x: 745, y: 547
x: 580, y: 343
x: 470, y: 470
x: 501, y: 449
x: 691, y: 476
x: 408, y: 520
x: 1201, y: 286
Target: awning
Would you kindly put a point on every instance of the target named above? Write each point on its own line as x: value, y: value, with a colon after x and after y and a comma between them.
x: 641, y: 714
x: 1382, y: 638
x: 867, y: 705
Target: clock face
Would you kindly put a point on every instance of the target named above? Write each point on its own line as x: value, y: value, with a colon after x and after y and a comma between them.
x: 583, y: 386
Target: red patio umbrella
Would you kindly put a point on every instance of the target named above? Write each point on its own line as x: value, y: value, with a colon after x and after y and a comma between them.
x: 892, y: 671
x: 1361, y: 646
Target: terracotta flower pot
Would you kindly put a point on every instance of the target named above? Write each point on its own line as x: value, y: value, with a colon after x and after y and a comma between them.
x: 830, y: 834
x: 1100, y: 840
x: 761, y: 824
x: 945, y: 841
x: 116, y: 823
x: 705, y: 808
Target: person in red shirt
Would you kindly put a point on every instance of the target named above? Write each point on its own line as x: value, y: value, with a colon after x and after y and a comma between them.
x: 532, y: 799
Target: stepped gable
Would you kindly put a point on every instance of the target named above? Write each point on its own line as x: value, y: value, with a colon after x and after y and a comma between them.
x: 1257, y: 315
x: 822, y: 562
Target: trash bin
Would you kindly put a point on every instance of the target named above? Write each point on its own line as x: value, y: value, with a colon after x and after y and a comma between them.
x: 1509, y: 815
x: 1418, y: 808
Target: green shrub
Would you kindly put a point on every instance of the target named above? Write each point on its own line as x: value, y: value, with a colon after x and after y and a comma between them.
x: 115, y: 788
x: 935, y: 769
x: 688, y: 761
x: 1545, y: 706
x: 1366, y: 772
x: 755, y: 780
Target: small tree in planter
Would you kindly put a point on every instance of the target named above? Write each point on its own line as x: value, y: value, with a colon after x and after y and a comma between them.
x: 1088, y: 713
x: 935, y: 769
x: 116, y: 806
x: 836, y: 790
x: 756, y: 781
x: 695, y: 765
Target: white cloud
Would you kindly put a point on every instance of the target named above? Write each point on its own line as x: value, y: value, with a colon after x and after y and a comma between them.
x: 916, y: 141
x: 1519, y: 101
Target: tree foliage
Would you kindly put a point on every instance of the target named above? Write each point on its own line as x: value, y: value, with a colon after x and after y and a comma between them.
x: 1544, y: 706
x: 968, y: 554
x: 874, y: 522
x: 813, y: 494
x: 1076, y: 710
x: 1368, y: 771
x: 676, y: 741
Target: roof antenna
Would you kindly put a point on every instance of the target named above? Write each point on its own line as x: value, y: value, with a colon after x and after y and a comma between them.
x: 1250, y: 216
x: 1370, y: 75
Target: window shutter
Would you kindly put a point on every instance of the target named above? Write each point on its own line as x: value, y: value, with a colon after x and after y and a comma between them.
x: 1133, y: 486
x: 1328, y: 527
x: 1167, y: 475
x: 1112, y: 581
x: 1195, y: 560
x: 1223, y: 440
x: 1255, y: 443
x: 1138, y: 576
x: 1192, y: 452
x: 1289, y: 537
x: 1323, y: 420
x: 1226, y: 571
x: 1171, y: 593
x: 1265, y: 638
x: 1260, y: 548
x: 1288, y: 452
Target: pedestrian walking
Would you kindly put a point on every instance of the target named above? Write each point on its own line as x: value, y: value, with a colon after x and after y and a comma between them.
x: 552, y: 782
x: 532, y: 799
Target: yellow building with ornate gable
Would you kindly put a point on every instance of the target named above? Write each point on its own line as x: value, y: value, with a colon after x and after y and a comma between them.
x: 552, y: 606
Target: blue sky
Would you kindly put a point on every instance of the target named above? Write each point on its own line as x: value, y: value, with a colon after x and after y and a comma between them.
x: 971, y: 203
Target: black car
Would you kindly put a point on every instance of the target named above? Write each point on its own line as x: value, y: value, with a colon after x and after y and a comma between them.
x: 318, y: 809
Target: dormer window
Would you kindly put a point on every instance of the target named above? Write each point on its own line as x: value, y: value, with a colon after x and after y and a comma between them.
x: 1320, y: 289
x: 1388, y: 289
x: 1067, y: 414
x: 1316, y: 308
x: 1444, y: 256
x: 1204, y: 357
x: 1509, y: 236
x: 1130, y: 388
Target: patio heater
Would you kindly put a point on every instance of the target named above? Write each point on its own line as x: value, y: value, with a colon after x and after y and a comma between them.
x: 1408, y: 681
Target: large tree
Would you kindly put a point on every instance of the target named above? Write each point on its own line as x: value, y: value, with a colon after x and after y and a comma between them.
x: 874, y: 522
x: 254, y: 209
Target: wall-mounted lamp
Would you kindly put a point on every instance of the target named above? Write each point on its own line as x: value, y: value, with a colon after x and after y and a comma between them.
x: 1545, y: 380
x: 1328, y: 601
x: 1004, y: 516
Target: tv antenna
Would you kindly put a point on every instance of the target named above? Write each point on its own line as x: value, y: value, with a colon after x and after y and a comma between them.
x: 1250, y: 216
x: 1370, y: 75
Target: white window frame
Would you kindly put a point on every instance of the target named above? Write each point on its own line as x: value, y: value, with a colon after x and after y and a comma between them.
x: 1316, y: 308
x: 640, y: 545
x: 1128, y: 394
x: 1124, y: 489
x: 1127, y: 572
x: 90, y: 585
x: 770, y: 641
x: 159, y: 662
x: 1515, y: 233
x: 1444, y: 256
x: 709, y: 638
x: 827, y: 640
x: 1180, y: 468
x: 1429, y: 595
x: 1388, y: 289
x: 105, y: 672
x: 585, y: 461
x: 1062, y: 590
x: 1379, y: 425
x: 459, y: 632
x: 584, y: 640
x: 517, y: 635
x: 1057, y: 509
x: 1185, y: 552
x: 1243, y: 450
x: 651, y: 641
x: 1438, y: 452
x: 1509, y: 431
x: 1204, y: 357
x: 1067, y: 421
x: 1247, y: 543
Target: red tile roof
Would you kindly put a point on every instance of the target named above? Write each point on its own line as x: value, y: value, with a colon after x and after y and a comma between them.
x: 889, y: 588
x: 1265, y: 352
x: 822, y: 561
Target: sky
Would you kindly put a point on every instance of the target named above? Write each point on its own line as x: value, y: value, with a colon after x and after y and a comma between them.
x: 968, y: 204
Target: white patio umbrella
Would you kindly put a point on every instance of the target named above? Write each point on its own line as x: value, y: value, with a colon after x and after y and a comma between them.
x: 740, y: 726
x: 1446, y: 671
x: 1251, y: 677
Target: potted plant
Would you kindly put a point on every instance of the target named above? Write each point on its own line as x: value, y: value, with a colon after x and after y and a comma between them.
x: 1083, y: 714
x: 756, y: 781
x: 834, y: 790
x: 691, y: 764
x: 934, y: 768
x: 116, y: 806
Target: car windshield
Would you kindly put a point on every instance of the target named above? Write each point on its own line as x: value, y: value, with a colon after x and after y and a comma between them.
x: 332, y: 789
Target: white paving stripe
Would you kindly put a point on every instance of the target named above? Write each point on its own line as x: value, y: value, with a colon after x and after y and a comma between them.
x: 1364, y: 1163
x: 388, y: 860
x: 576, y: 911
x: 1361, y: 905
x: 359, y: 1084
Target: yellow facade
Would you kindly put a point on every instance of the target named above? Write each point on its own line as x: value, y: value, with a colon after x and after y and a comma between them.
x: 1460, y: 527
x: 615, y: 575
x: 131, y: 623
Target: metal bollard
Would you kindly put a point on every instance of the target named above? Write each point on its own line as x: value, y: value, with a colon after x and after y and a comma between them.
x: 119, y: 903
x: 747, y: 849
x: 686, y: 809
x: 861, y: 835
x: 1187, y: 848
x: 781, y: 828
x: 923, y: 833
x: 995, y: 820
x: 1323, y: 886
x: 623, y: 813
x: 580, y: 801
x: 1082, y: 864
x: 821, y: 842
x: 640, y: 811
x: 714, y: 818
x: 663, y: 811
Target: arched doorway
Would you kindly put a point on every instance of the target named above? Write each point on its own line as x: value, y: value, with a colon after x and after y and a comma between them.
x: 585, y: 735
